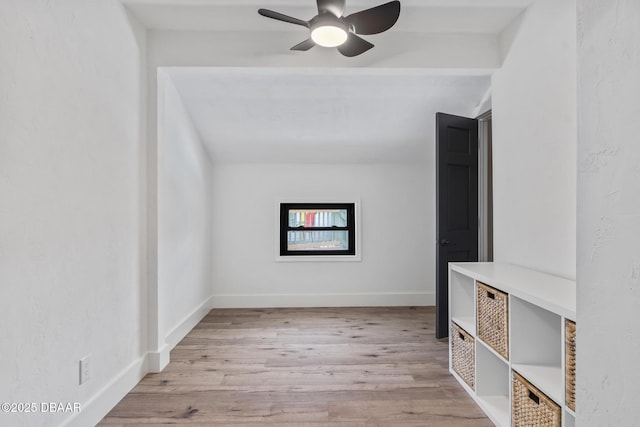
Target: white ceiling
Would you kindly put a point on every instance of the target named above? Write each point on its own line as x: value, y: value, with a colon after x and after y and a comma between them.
x: 257, y: 101
x: 419, y: 16
x: 321, y: 116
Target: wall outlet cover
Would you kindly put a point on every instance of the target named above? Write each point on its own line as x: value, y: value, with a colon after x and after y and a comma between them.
x: 85, y: 369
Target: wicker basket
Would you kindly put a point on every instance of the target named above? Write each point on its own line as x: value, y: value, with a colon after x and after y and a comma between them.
x: 463, y: 354
x: 493, y: 312
x: 570, y: 360
x: 530, y: 407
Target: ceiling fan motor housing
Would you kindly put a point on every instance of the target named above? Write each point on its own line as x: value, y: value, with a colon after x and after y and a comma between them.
x: 331, y: 29
x: 328, y: 30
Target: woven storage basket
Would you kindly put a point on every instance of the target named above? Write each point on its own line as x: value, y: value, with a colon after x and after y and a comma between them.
x: 463, y: 354
x: 530, y: 407
x: 570, y: 359
x: 493, y: 312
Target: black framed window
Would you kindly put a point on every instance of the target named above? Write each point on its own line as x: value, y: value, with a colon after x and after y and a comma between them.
x: 317, y: 229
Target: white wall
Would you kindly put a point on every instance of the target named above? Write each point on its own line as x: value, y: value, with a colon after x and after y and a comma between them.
x: 398, y: 240
x: 184, y: 221
x: 608, y: 344
x: 534, y: 141
x: 71, y: 216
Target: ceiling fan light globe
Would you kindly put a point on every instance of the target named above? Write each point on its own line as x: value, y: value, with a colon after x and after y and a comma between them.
x: 329, y: 35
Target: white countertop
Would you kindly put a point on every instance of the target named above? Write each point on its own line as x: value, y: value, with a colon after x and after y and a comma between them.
x: 550, y: 292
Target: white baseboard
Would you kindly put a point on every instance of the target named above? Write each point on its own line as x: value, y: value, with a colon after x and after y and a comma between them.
x: 158, y: 360
x: 104, y: 400
x: 99, y: 405
x: 188, y: 323
x: 383, y: 299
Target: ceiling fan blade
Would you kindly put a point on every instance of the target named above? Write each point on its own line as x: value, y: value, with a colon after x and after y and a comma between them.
x: 305, y: 45
x: 280, y: 17
x: 375, y: 20
x: 354, y: 46
x: 335, y: 7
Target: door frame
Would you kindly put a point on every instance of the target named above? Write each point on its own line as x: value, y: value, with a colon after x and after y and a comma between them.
x: 485, y: 187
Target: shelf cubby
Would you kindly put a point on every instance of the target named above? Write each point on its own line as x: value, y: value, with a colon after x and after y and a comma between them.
x: 462, y: 301
x: 492, y: 384
x: 536, y: 347
x: 569, y: 418
x: 538, y: 306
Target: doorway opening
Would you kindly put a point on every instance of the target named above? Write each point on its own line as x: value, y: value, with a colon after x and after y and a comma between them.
x: 464, y: 205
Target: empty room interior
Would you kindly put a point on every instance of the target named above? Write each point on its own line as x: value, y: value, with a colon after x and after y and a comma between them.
x: 209, y: 218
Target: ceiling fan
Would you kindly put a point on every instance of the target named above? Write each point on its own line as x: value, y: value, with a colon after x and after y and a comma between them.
x: 330, y: 29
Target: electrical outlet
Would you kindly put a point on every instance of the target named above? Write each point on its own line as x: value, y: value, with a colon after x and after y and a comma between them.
x: 85, y: 369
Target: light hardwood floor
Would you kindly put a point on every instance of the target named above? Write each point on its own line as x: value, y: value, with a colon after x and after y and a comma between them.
x: 344, y: 367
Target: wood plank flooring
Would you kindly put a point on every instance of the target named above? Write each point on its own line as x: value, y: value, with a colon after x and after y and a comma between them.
x: 343, y: 367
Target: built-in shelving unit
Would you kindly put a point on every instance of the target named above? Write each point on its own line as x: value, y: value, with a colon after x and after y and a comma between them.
x: 538, y: 305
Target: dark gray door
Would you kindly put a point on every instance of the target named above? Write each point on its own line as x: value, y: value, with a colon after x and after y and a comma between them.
x: 456, y: 203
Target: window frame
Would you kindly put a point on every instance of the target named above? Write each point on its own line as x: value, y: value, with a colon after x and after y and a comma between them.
x: 351, y: 228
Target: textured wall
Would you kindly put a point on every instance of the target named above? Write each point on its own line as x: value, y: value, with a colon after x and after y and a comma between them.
x: 608, y: 346
x: 71, y: 274
x: 534, y: 141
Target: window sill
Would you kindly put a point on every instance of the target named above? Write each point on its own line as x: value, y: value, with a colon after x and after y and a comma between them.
x: 319, y: 258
